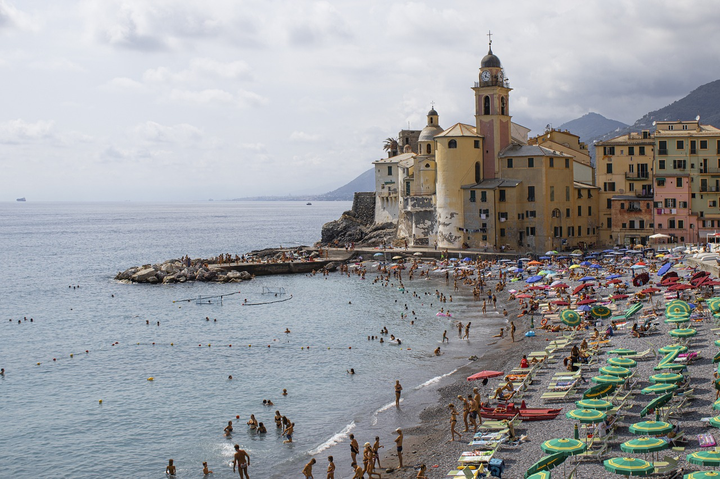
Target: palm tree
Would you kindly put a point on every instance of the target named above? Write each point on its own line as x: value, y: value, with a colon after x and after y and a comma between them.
x: 391, y: 146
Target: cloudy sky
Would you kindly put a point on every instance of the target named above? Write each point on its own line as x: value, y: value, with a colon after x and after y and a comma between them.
x: 187, y: 100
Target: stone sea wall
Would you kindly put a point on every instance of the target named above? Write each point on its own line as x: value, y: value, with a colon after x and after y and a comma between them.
x: 358, y: 225
x: 174, y: 271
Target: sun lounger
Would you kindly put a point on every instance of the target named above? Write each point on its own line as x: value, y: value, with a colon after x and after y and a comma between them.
x: 560, y: 396
x: 643, y: 355
x: 668, y: 464
x: 475, y: 457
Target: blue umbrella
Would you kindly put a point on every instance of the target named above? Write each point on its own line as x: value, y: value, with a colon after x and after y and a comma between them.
x: 665, y: 268
x: 562, y: 257
x: 378, y: 254
x: 544, y: 257
x: 588, y: 278
x: 584, y: 308
x: 595, y: 266
x: 585, y: 263
x: 612, y: 276
x: 533, y: 279
x: 466, y: 259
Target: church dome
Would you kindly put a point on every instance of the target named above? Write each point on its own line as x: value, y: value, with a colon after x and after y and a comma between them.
x: 429, y: 132
x: 432, y: 112
x: 490, y: 60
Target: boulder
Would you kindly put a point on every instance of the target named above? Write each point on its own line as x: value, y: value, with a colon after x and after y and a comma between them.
x: 153, y: 280
x: 244, y: 275
x: 144, y: 275
x: 127, y: 274
x: 233, y: 275
x: 169, y: 279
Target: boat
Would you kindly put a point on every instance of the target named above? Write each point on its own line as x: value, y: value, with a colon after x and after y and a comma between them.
x: 21, y: 199
x: 509, y: 411
x: 308, y: 204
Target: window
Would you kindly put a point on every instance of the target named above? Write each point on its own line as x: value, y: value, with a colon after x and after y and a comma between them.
x: 555, y: 213
x: 608, y: 168
x: 693, y: 147
x: 671, y: 224
x: 452, y: 144
x: 579, y: 210
x: 531, y: 193
x: 671, y: 127
x: 680, y: 224
x: 509, y: 162
x: 503, y: 216
x: 501, y: 195
x: 608, y: 150
x: 472, y: 196
x: 521, y: 216
x: 484, y: 214
x: 609, y: 186
x: 712, y: 203
x: 567, y: 212
x: 486, y: 105
x: 502, y: 106
x: 476, y: 144
x: 567, y: 162
x: 703, y: 144
x: 622, y: 206
x: 679, y: 164
x: 407, y: 188
x: 609, y: 204
x: 557, y: 231
x: 631, y: 186
x: 680, y: 144
x: 532, y: 214
x: 502, y: 232
x: 552, y: 193
x: 567, y: 193
x: 530, y: 231
x: 531, y: 162
x: 389, y: 170
x: 631, y: 151
x: 609, y: 223
x: 662, y: 147
x: 552, y: 162
x: 641, y: 150
x: 571, y: 231
x: 678, y: 182
x: 632, y: 224
x: 670, y: 203
x: 660, y: 181
x: 589, y: 210
x: 661, y: 164
x: 483, y: 196
x: 642, y: 224
x: 624, y: 226
x: 428, y: 149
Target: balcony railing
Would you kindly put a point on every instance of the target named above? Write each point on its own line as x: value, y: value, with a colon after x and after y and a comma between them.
x: 644, y: 194
x: 709, y: 170
x: 639, y: 175
x: 662, y: 151
x: 709, y: 189
x: 531, y: 198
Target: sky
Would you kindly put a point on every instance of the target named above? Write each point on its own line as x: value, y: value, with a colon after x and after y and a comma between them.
x: 181, y: 100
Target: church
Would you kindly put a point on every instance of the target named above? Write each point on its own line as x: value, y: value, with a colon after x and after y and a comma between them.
x: 487, y: 185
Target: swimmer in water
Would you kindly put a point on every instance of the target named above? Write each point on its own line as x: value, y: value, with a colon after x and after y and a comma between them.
x: 288, y: 432
x: 437, y: 351
x: 252, y: 422
x: 229, y: 429
x: 269, y: 403
x: 206, y: 470
x: 287, y: 331
x: 170, y: 468
x: 352, y: 371
x: 284, y: 393
x: 261, y: 429
x: 278, y: 419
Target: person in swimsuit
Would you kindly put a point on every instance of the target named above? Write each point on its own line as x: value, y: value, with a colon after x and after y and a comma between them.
x: 421, y: 472
x: 330, y: 468
x: 398, y: 446
x: 206, y: 469
x: 228, y: 429
x: 261, y: 429
x: 453, y: 421
x: 278, y: 419
x: 170, y: 468
x: 398, y: 390
x: 354, y: 448
x: 240, y: 460
x: 307, y: 470
x: 252, y: 422
x: 288, y: 432
x: 376, y: 450
x: 466, y: 411
x: 358, y: 471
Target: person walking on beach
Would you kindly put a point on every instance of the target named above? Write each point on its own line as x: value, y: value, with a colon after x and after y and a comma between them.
x: 512, y: 331
x: 467, y: 330
x: 453, y: 422
x: 307, y: 470
x: 376, y: 450
x: 460, y: 329
x: 354, y: 448
x: 330, y: 468
x: 398, y: 390
x: 240, y: 460
x: 398, y: 446
x: 477, y: 403
x: 466, y: 411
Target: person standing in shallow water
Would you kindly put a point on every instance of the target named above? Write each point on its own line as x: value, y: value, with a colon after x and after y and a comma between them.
x: 398, y: 446
x: 398, y: 391
x: 239, y: 460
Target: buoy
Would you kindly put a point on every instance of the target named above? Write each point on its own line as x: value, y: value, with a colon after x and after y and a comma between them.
x: 38, y: 364
x: 209, y: 345
x: 54, y: 359
x: 268, y: 345
x: 237, y: 417
x: 249, y: 345
x: 137, y: 344
x: 100, y: 401
x: 229, y: 345
x: 301, y: 348
x: 328, y: 349
x: 153, y: 344
x: 172, y: 344
x: 199, y: 345
x: 349, y: 347
x: 71, y: 355
x: 86, y: 351
x: 151, y: 379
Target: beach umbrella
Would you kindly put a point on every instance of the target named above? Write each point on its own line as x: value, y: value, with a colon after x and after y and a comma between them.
x: 619, y: 296
x: 561, y: 303
x: 586, y: 416
x: 601, y: 311
x: 587, y: 278
x: 622, y: 352
x: 400, y: 257
x: 633, y: 309
x: 641, y: 279
x: 622, y: 362
x: 560, y: 285
x: 702, y: 475
x: 599, y: 391
x: 607, y: 379
x: 485, y: 375
x: 716, y: 405
x: 599, y: 404
x: 717, y: 342
x: 613, y: 276
x: 615, y: 281
x: 573, y: 266
x: 683, y: 333
x: 704, y: 458
x: 714, y: 421
x: 644, y: 445
x: 539, y: 475
x: 659, y: 388
x: 585, y: 302
x: 651, y: 428
x: 546, y: 463
x: 664, y: 269
x: 378, y: 255
x: 585, y: 263
x: 570, y: 317
x: 534, y: 279
x: 677, y: 319
x: 656, y: 403
x: 716, y: 358
x: 629, y: 466
x: 566, y: 446
x: 618, y: 371
x: 584, y: 308
x: 670, y: 378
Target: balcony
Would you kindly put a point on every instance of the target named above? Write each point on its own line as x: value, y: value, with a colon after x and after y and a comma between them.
x: 531, y: 198
x: 644, y: 193
x: 388, y: 192
x: 663, y: 151
x: 709, y: 170
x: 639, y: 175
x: 709, y: 189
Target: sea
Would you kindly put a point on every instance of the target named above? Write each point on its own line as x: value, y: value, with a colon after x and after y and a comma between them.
x: 79, y: 348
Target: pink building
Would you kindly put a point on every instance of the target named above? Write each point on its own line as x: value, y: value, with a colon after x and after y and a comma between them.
x: 672, y: 214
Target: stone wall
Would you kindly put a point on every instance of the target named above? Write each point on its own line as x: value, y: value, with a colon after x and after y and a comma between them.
x: 364, y: 207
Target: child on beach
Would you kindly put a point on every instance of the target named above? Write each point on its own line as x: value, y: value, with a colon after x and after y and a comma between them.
x: 330, y: 468
x: 206, y: 470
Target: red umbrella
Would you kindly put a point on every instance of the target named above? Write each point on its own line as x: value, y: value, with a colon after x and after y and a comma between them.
x: 671, y: 274
x: 669, y: 281
x: 679, y: 287
x: 561, y: 286
x: 587, y: 301
x: 561, y: 303
x: 711, y: 283
x: 485, y: 375
x: 619, y: 296
x: 581, y: 287
x: 641, y: 279
x: 700, y: 281
x: 524, y: 296
x: 650, y: 290
x: 615, y: 281
x: 534, y: 288
x: 699, y: 274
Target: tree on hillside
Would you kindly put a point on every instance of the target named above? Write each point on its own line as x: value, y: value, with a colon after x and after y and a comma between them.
x: 391, y: 146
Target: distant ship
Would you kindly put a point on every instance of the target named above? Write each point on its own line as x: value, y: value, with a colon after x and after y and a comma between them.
x: 21, y: 199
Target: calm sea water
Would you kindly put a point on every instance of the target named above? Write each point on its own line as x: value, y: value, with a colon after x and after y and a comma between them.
x: 51, y: 421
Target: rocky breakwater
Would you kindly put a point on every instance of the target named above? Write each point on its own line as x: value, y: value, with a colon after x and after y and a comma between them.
x: 358, y: 226
x: 174, y: 271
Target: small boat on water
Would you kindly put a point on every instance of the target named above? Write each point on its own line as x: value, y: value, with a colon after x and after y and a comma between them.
x: 308, y: 203
x: 509, y: 411
x: 21, y: 199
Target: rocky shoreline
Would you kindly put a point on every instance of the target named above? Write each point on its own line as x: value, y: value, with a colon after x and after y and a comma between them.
x: 174, y: 271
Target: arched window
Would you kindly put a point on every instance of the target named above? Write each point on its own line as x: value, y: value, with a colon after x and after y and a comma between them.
x: 486, y: 105
x: 477, y: 172
x: 502, y: 106
x: 428, y: 149
x: 556, y: 213
x: 427, y: 165
x: 431, y: 120
x: 420, y: 149
x: 452, y: 144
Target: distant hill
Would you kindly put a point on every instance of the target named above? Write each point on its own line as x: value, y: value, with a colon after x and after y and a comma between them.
x: 364, y: 182
x: 591, y: 125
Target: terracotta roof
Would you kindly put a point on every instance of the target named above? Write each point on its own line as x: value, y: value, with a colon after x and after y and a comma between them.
x: 459, y: 129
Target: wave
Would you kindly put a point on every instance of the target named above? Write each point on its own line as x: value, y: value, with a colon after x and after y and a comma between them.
x: 389, y: 405
x: 434, y: 380
x: 335, y: 439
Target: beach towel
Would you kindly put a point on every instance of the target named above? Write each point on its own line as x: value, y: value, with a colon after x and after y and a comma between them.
x: 706, y: 440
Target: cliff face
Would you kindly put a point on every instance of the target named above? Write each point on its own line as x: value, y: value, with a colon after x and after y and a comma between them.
x: 357, y: 225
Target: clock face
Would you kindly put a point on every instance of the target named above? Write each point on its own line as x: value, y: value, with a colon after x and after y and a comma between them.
x: 485, y: 76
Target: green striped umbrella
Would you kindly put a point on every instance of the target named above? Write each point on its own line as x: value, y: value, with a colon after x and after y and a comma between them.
x: 702, y: 475
x: 716, y: 358
x: 704, y: 458
x: 666, y: 378
x: 673, y: 347
x: 570, y: 317
x: 540, y: 475
x: 677, y: 306
x: 717, y: 342
x: 607, y: 379
x: 599, y: 404
x: 566, y: 446
x: 713, y: 304
x: 644, y: 445
x: 714, y: 421
x: 633, y: 309
x: 601, y: 312
x: 659, y: 388
x: 546, y: 463
x: 618, y: 371
x: 683, y: 332
x: 622, y: 352
x: 629, y: 466
x: 599, y: 391
x: 716, y: 405
x: 647, y: 428
x: 622, y: 362
x: 677, y: 319
x: 658, y: 402
x: 667, y: 360
x: 586, y: 416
